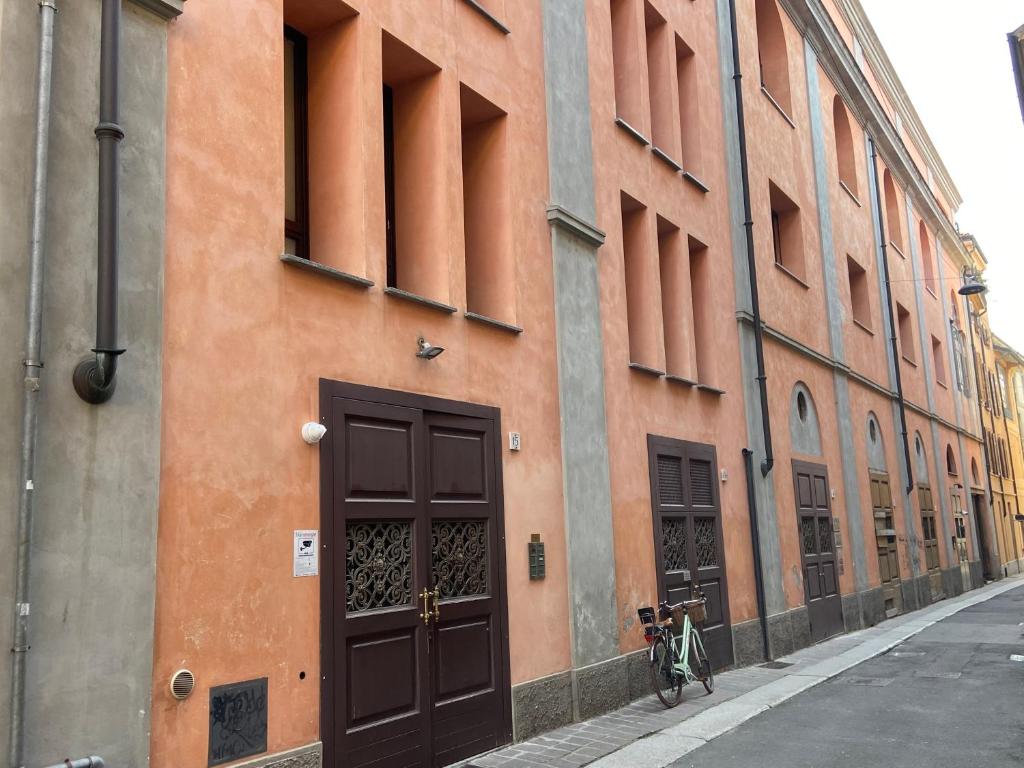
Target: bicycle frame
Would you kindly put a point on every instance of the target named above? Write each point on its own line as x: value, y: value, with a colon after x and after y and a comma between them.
x: 680, y: 644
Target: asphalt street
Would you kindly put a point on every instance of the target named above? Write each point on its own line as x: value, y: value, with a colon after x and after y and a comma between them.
x: 950, y: 696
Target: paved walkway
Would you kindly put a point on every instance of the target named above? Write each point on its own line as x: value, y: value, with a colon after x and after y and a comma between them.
x: 644, y: 733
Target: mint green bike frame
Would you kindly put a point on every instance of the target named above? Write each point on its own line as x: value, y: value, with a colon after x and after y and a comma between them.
x: 681, y: 645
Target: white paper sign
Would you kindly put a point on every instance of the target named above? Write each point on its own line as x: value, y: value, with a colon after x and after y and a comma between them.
x: 306, y: 560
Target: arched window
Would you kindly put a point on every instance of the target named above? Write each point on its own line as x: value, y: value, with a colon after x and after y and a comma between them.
x: 845, y: 156
x: 772, y: 54
x: 950, y: 460
x: 927, y: 259
x: 876, y: 445
x: 803, y: 422
x: 956, y: 310
x: 974, y: 471
x: 892, y: 211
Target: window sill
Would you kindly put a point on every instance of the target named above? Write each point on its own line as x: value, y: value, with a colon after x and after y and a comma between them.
x: 942, y: 384
x: 681, y: 380
x: 863, y: 327
x: 490, y: 321
x: 931, y: 291
x: 488, y: 16
x: 647, y: 370
x: 908, y: 361
x: 897, y: 249
x: 323, y: 269
x: 849, y: 191
x: 792, y: 276
x: 665, y: 158
x: 711, y: 390
x: 423, y: 301
x: 778, y: 106
x: 632, y: 131
x: 687, y: 176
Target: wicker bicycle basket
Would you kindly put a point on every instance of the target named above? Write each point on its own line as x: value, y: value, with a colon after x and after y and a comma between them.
x: 696, y: 610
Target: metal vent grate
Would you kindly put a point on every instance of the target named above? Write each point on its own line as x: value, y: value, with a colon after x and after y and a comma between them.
x: 701, y: 486
x: 670, y: 480
x: 182, y: 683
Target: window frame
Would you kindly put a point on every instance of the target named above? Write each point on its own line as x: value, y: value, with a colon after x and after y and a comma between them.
x: 298, y: 229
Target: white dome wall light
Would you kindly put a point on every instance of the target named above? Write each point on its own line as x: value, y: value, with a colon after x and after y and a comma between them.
x: 313, y: 432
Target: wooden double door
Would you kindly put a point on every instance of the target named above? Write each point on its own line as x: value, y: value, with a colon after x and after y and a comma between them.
x: 817, y: 550
x: 415, y: 644
x: 688, y: 544
x: 885, y: 543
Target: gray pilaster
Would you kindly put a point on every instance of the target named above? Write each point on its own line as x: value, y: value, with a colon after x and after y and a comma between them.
x: 833, y: 308
x: 574, y: 241
x: 907, y: 498
x: 764, y: 492
x: 928, y: 365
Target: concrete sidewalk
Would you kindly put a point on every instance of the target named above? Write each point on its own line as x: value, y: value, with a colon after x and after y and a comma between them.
x: 645, y: 733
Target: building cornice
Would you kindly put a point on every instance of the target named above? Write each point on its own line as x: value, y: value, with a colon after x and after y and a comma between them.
x: 820, y: 31
x: 165, y: 9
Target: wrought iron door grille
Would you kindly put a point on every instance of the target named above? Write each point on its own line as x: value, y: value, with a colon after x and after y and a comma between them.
x: 673, y: 543
x: 378, y: 565
x: 459, y: 557
x: 706, y: 540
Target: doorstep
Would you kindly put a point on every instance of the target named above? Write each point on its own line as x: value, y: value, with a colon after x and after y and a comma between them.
x: 646, y: 733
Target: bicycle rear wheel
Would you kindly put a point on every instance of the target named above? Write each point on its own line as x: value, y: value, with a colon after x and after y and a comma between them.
x: 700, y: 664
x: 667, y: 684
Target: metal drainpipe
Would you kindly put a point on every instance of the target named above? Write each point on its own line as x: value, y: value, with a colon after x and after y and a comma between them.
x: 33, y: 374
x: 892, y: 319
x: 94, y: 377
x: 755, y: 536
x: 748, y: 225
x: 971, y: 317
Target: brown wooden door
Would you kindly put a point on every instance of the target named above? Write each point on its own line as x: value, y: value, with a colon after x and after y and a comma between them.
x: 960, y: 541
x: 930, y: 541
x: 817, y: 550
x: 411, y: 501
x: 468, y: 677
x: 885, y: 543
x: 688, y: 543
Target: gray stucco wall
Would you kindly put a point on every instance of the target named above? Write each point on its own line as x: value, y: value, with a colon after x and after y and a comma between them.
x: 97, y: 473
x: 574, y: 241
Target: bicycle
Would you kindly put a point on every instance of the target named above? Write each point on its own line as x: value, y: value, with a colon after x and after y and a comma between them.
x: 677, y: 654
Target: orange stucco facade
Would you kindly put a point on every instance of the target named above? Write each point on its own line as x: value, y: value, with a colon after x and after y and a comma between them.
x: 250, y: 334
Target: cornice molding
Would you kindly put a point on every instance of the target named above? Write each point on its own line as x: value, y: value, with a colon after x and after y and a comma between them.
x: 165, y: 9
x: 819, y: 30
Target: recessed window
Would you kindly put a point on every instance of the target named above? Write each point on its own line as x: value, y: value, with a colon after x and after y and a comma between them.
x: 938, y: 361
x: 845, y: 154
x: 417, y: 253
x: 639, y: 265
x: 860, y: 301
x: 296, y: 189
x: 701, y: 292
x: 906, y: 333
x: 664, y: 130
x: 771, y: 52
x: 490, y: 268
x: 892, y: 211
x: 676, y: 307
x: 689, y: 107
x: 801, y: 406
x: 626, y: 61
x: 950, y: 461
x: 873, y: 431
x: 787, y: 236
x: 927, y: 259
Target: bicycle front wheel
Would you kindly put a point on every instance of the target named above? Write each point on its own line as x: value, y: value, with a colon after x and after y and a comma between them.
x: 667, y: 684
x: 700, y: 664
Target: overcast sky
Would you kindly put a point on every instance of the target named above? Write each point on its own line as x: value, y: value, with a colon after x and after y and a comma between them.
x: 954, y: 61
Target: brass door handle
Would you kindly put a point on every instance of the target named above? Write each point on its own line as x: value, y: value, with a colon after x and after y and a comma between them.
x: 437, y: 607
x: 425, y: 597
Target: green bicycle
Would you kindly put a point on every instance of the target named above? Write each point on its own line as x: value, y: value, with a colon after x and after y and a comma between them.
x: 677, y: 654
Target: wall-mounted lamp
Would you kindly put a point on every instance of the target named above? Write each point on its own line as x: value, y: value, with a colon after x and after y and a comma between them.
x: 972, y: 285
x: 313, y: 431
x: 427, y: 350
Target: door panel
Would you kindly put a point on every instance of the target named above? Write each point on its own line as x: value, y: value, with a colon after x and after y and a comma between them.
x: 885, y: 544
x: 817, y: 550
x: 468, y: 681
x: 411, y: 504
x: 688, y: 542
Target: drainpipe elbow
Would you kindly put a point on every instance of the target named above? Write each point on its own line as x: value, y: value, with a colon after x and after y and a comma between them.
x: 95, y: 377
